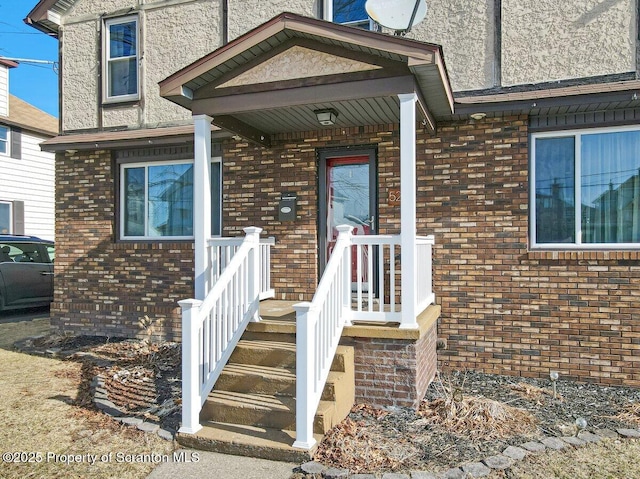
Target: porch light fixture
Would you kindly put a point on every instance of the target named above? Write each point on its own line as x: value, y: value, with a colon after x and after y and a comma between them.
x: 478, y: 115
x: 326, y: 117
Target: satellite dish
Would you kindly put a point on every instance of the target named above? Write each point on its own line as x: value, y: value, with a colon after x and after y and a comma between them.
x: 399, y: 15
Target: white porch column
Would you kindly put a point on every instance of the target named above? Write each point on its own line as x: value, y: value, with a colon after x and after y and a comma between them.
x: 408, y: 251
x: 202, y: 202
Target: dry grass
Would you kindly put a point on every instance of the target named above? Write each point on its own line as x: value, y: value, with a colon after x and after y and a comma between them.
x: 534, y: 393
x: 477, y: 418
x: 630, y: 414
x: 37, y: 415
x: 350, y: 445
x: 607, y: 460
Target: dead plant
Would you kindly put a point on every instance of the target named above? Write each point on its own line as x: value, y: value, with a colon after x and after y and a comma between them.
x: 476, y: 418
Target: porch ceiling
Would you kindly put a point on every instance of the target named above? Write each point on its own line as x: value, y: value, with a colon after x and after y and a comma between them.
x: 273, y: 78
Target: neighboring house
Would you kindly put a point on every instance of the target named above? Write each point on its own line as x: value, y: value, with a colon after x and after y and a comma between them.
x: 317, y: 124
x: 23, y: 127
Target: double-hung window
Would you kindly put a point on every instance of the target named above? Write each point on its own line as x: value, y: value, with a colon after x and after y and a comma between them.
x: 156, y: 200
x: 122, y: 50
x: 4, y: 140
x: 348, y: 12
x: 586, y: 189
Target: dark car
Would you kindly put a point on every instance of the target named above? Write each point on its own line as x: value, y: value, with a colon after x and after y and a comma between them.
x: 26, y: 271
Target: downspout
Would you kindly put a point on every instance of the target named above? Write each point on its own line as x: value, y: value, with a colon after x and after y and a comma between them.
x: 60, y: 93
x: 101, y: 66
x: 225, y: 22
x: 497, y: 43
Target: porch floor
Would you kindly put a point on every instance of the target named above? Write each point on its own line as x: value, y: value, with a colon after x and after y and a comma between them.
x: 278, y: 316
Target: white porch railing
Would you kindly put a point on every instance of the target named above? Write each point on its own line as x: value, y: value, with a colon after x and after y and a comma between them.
x: 222, y: 250
x: 373, y: 296
x: 212, y: 328
x: 424, y: 290
x: 318, y: 329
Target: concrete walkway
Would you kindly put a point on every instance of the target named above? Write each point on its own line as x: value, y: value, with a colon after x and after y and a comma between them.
x: 201, y: 464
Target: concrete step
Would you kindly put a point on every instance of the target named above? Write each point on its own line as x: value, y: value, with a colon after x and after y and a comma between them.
x: 262, y: 410
x: 275, y: 354
x: 250, y: 441
x: 249, y: 378
x: 278, y: 354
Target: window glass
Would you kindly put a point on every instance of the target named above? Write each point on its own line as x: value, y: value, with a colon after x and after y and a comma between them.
x: 216, y: 198
x: 592, y: 177
x: 555, y: 191
x: 51, y: 251
x: 134, y: 201
x: 5, y: 218
x: 610, y: 184
x: 157, y: 200
x: 122, y: 58
x: 4, y: 140
x: 20, y: 253
x: 170, y: 200
x: 350, y: 12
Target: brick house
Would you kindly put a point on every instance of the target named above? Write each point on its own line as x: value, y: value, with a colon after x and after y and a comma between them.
x: 296, y: 125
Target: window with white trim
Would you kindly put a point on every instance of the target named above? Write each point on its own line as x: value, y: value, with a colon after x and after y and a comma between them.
x: 156, y: 200
x: 586, y: 188
x: 5, y: 141
x: 121, y: 75
x: 348, y: 12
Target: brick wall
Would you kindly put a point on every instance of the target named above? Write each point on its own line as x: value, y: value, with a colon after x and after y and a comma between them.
x: 103, y: 287
x: 394, y: 372
x: 120, y: 288
x: 255, y: 178
x: 506, y: 309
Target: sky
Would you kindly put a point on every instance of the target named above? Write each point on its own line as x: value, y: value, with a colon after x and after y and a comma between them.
x: 34, y: 83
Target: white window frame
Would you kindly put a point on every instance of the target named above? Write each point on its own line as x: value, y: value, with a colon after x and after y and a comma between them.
x: 328, y: 15
x: 106, y: 70
x: 577, y: 134
x: 145, y: 164
x: 7, y: 141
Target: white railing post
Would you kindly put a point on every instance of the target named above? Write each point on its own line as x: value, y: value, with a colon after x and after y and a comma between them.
x: 253, y: 237
x: 202, y: 203
x: 191, y: 402
x: 345, y: 234
x: 305, y: 352
x: 408, y: 210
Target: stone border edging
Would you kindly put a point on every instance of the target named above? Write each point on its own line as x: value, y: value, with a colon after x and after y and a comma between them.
x: 473, y: 470
x: 101, y: 401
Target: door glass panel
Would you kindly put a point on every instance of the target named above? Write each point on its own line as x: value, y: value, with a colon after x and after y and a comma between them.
x: 349, y: 203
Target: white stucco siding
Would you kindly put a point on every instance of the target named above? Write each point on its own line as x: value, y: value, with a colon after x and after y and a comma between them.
x: 245, y: 15
x: 175, y: 37
x: 80, y: 75
x: 37, y: 170
x: 546, y: 40
x: 465, y: 30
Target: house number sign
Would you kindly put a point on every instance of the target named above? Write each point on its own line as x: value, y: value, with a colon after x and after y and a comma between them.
x: 394, y: 198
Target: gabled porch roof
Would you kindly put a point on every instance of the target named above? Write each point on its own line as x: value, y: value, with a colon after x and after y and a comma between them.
x: 273, y: 78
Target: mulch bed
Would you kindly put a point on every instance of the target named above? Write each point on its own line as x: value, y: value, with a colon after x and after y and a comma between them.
x: 464, y: 417
x: 468, y: 416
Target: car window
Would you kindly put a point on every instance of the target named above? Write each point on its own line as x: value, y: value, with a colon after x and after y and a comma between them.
x: 51, y: 251
x: 20, y: 253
